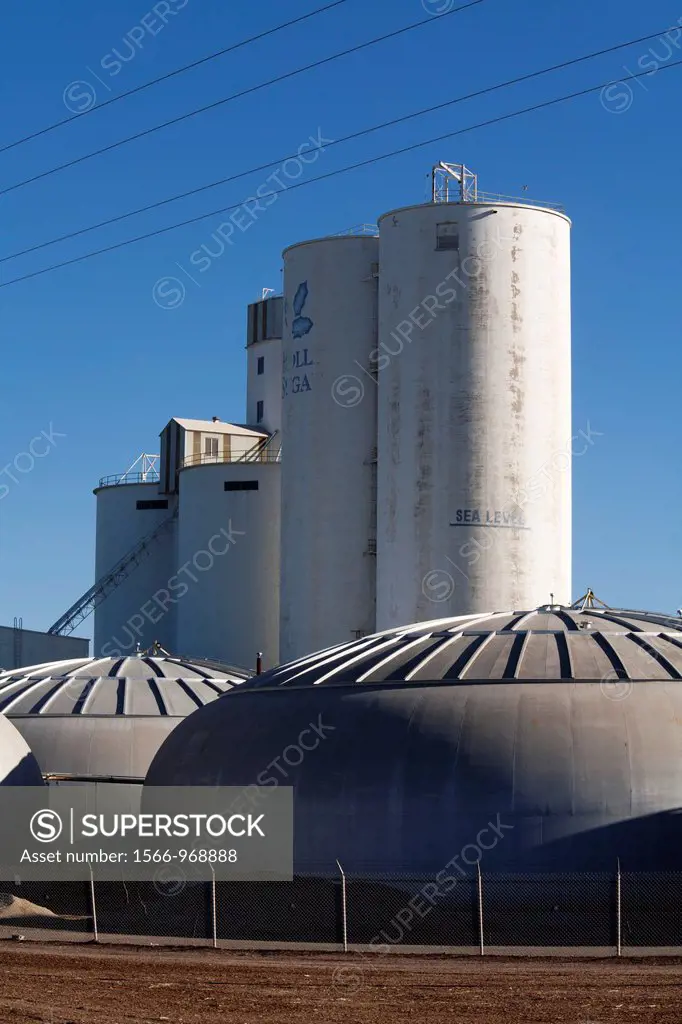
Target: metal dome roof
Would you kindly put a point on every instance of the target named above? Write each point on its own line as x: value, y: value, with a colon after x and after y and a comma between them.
x: 129, y: 687
x: 549, y: 643
x: 401, y: 746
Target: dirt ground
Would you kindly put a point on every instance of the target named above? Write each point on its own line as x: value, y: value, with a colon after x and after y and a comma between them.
x: 114, y: 985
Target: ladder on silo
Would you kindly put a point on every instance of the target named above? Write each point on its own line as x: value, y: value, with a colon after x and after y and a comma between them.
x: 104, y: 586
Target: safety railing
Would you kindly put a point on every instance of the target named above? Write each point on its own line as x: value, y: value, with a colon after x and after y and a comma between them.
x: 202, y: 459
x: 114, y: 479
x: 493, y: 197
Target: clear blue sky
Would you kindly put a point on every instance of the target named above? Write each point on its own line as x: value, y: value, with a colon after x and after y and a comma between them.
x: 87, y: 350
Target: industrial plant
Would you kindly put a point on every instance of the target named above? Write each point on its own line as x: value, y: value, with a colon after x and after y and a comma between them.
x: 406, y: 453
x: 382, y: 554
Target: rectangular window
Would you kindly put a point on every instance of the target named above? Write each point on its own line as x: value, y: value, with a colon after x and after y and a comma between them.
x: 241, y: 485
x: 211, y: 447
x: 141, y: 506
x: 447, y: 236
x: 259, y: 412
x: 261, y: 365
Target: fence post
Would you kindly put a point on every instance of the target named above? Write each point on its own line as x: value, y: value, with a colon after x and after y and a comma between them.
x: 344, y: 911
x: 619, y: 934
x: 480, y: 910
x: 94, y: 906
x: 214, y: 915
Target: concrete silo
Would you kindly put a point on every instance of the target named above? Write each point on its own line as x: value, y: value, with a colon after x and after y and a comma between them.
x: 329, y: 443
x: 134, y: 515
x: 264, y: 364
x: 228, y: 560
x: 474, y: 413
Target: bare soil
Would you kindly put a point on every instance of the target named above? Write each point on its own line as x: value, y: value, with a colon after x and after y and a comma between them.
x: 116, y: 985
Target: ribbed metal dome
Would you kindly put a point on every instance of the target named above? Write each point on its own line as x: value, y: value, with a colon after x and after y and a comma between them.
x: 106, y: 717
x: 549, y: 643
x: 400, y: 747
x: 137, y: 685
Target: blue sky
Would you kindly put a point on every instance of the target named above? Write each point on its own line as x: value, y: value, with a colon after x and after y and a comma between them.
x: 90, y: 355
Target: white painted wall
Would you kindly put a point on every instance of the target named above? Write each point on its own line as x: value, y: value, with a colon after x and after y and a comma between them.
x: 328, y: 438
x: 228, y: 609
x: 265, y: 387
x: 120, y: 525
x: 474, y: 412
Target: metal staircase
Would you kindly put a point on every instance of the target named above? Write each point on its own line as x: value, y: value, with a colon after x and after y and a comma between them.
x: 88, y: 601
x: 266, y: 449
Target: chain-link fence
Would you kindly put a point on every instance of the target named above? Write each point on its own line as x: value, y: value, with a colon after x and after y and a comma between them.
x: 619, y: 913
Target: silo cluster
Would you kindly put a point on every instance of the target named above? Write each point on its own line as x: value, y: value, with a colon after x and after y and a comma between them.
x: 426, y: 420
x: 407, y: 452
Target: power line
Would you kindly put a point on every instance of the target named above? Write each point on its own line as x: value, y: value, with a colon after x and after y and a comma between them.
x: 172, y: 74
x: 334, y: 142
x: 237, y: 95
x: 343, y: 170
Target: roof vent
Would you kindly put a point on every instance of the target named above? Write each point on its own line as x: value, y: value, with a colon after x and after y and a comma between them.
x: 585, y: 625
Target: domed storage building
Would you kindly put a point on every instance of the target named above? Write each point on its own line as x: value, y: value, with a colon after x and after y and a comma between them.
x: 95, y: 718
x: 18, y: 766
x: 559, y: 731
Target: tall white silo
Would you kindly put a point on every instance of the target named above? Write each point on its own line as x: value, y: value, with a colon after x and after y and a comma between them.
x: 329, y: 443
x: 134, y: 519
x: 264, y: 364
x: 228, y: 561
x: 474, y: 422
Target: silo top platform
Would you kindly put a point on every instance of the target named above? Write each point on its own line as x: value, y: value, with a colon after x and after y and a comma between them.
x: 484, y: 201
x: 549, y: 643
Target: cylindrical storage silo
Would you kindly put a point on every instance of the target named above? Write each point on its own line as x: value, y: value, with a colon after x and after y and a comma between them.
x: 134, y: 523
x: 474, y: 416
x: 227, y: 574
x: 264, y: 364
x: 328, y: 443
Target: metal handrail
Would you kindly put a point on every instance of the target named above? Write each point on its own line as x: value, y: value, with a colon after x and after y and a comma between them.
x: 114, y: 479
x: 148, y: 474
x: 494, y: 197
x: 101, y: 589
x: 202, y: 459
x: 359, y: 229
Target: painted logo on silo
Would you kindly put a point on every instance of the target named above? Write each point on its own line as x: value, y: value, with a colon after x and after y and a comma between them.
x: 300, y: 359
x: 302, y: 325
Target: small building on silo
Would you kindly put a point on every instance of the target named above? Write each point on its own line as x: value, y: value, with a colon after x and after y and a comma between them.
x: 329, y: 443
x: 557, y: 726
x: 474, y: 404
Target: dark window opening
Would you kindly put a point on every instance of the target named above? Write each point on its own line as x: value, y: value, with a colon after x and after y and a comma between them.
x: 241, y: 485
x: 259, y: 412
x: 143, y: 505
x: 447, y: 236
x: 261, y: 365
